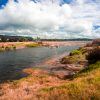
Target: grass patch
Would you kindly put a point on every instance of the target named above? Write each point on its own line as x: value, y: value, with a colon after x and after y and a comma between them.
x: 81, y: 88
x: 7, y: 48
x: 75, y: 52
x: 31, y: 45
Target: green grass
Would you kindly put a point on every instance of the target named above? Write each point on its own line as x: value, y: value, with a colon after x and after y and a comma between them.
x: 75, y: 52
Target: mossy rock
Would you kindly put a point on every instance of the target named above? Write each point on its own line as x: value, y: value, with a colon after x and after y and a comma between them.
x: 73, y: 59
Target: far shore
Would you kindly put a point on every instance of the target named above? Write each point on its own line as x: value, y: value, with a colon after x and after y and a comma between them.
x: 21, y: 45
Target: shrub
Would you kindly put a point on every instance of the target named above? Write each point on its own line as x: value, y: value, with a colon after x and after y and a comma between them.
x: 14, y: 47
x: 89, y: 45
x: 93, y: 56
x: 96, y: 42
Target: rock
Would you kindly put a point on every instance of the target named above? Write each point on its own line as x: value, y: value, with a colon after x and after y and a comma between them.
x: 64, y: 74
x: 83, y: 62
x: 74, y: 67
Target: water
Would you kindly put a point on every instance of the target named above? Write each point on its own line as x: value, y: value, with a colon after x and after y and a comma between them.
x: 13, y: 62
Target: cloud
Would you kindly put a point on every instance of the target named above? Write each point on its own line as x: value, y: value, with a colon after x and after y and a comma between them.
x: 50, y: 18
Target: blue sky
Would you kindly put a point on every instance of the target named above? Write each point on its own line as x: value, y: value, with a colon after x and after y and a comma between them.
x: 71, y: 19
x: 3, y: 2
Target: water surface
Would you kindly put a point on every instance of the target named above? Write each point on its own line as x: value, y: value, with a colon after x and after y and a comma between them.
x: 13, y: 62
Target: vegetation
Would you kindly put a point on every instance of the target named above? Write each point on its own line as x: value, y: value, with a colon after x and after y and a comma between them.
x: 86, y: 86
x: 96, y: 42
x: 75, y: 52
x: 93, y: 55
x: 75, y: 57
x: 5, y: 38
x: 88, y: 69
x: 7, y: 48
x: 72, y: 59
x: 33, y: 45
x: 13, y: 46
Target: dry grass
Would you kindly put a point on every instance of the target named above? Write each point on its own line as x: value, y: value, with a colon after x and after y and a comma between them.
x: 84, y: 87
x: 27, y: 88
x: 40, y: 85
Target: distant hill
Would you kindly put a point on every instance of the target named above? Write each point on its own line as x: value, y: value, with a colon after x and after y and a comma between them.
x: 5, y: 38
x: 78, y: 39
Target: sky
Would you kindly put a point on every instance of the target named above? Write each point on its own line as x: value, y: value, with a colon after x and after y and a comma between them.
x: 62, y: 19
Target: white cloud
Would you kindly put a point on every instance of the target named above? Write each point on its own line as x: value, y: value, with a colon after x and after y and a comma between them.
x: 50, y: 20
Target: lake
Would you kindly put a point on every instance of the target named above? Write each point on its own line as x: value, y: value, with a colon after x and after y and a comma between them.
x: 13, y: 62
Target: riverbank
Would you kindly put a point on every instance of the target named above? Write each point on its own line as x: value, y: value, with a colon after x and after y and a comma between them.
x: 4, y: 46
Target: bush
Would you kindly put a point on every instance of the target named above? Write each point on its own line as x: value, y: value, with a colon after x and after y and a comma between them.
x: 14, y: 47
x: 89, y: 45
x: 93, y: 56
x: 96, y: 42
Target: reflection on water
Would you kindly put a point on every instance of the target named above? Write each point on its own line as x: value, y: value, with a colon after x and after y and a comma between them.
x: 12, y: 62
